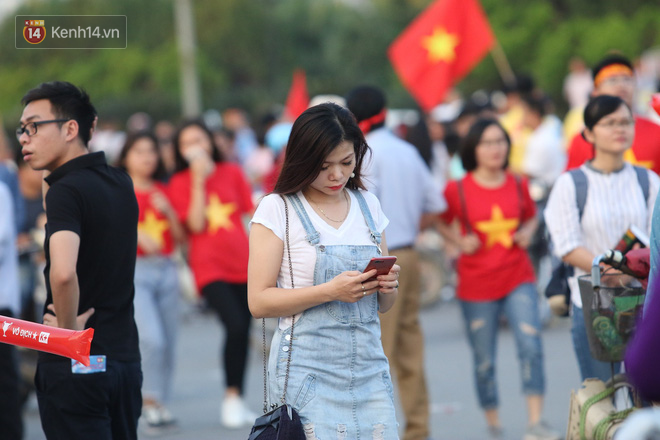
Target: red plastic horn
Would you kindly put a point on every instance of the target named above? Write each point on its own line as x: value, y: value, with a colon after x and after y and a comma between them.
x: 60, y: 341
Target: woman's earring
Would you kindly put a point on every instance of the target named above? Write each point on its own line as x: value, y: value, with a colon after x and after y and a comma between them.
x: 352, y: 174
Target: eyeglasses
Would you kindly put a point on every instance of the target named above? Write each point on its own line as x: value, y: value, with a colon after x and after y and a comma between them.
x: 619, y: 79
x: 493, y: 142
x: 623, y: 123
x: 31, y: 128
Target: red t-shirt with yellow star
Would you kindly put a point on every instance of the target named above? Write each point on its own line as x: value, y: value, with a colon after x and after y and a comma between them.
x: 220, y: 252
x: 494, y: 214
x: 645, y: 150
x: 152, y: 222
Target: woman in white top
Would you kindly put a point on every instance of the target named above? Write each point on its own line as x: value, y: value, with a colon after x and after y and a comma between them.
x: 338, y: 379
x: 615, y: 201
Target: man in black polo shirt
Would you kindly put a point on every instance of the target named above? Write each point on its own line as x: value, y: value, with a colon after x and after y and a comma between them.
x: 91, y: 240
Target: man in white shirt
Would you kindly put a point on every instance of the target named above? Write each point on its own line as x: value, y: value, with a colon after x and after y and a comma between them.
x: 397, y: 175
x: 544, y: 161
x: 11, y: 425
x: 545, y: 158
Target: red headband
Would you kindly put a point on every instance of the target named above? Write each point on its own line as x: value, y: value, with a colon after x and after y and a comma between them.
x: 378, y: 118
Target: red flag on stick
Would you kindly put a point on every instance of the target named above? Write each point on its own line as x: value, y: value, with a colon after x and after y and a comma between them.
x: 440, y: 47
x: 298, y: 98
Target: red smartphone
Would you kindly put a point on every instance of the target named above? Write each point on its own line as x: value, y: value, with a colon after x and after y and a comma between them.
x: 382, y: 264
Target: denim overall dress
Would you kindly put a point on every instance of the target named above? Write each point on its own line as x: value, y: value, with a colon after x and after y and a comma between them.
x: 339, y: 380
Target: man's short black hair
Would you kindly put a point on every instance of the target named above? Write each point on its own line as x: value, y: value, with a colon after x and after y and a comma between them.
x: 537, y: 104
x: 365, y: 102
x: 67, y: 102
x: 609, y: 60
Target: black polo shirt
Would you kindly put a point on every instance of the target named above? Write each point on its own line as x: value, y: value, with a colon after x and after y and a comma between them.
x: 97, y: 202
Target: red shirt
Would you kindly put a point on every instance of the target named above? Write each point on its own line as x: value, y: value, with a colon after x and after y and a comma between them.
x: 645, y: 150
x: 494, y: 214
x: 153, y: 222
x: 220, y: 252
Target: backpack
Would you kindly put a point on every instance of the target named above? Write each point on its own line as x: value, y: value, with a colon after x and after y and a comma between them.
x: 557, y: 291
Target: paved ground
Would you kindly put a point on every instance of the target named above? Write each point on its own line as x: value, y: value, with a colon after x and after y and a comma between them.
x: 455, y: 414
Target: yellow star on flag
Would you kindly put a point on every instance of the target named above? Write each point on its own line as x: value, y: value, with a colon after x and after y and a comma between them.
x: 629, y: 156
x: 154, y: 227
x: 498, y: 229
x: 441, y: 45
x: 218, y: 214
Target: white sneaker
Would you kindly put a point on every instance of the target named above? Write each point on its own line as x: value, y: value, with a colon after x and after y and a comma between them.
x: 234, y: 414
x: 541, y: 431
x: 156, y: 420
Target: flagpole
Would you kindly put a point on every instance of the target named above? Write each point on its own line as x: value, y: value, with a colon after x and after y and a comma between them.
x: 502, y: 64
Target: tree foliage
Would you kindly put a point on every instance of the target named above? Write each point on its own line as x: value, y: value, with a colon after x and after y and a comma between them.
x: 248, y: 49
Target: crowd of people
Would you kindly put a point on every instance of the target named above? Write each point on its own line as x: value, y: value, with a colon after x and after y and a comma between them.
x: 278, y: 218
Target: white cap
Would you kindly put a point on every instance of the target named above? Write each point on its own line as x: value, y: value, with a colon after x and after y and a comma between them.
x: 320, y: 99
x: 446, y: 112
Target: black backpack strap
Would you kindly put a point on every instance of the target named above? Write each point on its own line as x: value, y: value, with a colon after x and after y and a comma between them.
x: 643, y: 179
x: 521, y: 197
x: 461, y: 197
x: 581, y: 187
x: 582, y: 184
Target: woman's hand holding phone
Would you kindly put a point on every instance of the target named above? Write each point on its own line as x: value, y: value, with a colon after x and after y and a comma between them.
x: 352, y: 286
x: 389, y: 282
x: 380, y: 275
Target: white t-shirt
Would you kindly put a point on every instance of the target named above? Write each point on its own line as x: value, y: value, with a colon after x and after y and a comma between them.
x: 545, y: 158
x: 615, y: 201
x: 354, y: 231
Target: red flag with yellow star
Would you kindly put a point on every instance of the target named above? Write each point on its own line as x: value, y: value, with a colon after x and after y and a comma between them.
x: 440, y: 47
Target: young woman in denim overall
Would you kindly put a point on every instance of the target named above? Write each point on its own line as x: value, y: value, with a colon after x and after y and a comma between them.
x: 338, y: 380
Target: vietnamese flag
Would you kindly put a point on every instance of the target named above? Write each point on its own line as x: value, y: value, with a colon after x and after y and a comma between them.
x: 298, y: 98
x: 440, y: 47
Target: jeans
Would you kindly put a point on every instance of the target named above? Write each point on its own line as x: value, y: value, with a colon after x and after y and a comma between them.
x: 156, y: 315
x: 589, y: 367
x: 481, y: 322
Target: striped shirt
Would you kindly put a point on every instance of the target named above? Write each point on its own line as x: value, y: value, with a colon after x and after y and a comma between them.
x: 615, y: 201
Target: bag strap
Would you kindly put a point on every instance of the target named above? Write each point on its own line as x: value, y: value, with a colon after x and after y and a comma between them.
x: 293, y: 321
x: 461, y: 197
x: 643, y: 179
x: 582, y: 185
x: 521, y: 197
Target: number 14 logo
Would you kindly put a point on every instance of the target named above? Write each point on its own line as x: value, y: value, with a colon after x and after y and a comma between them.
x: 34, y: 31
